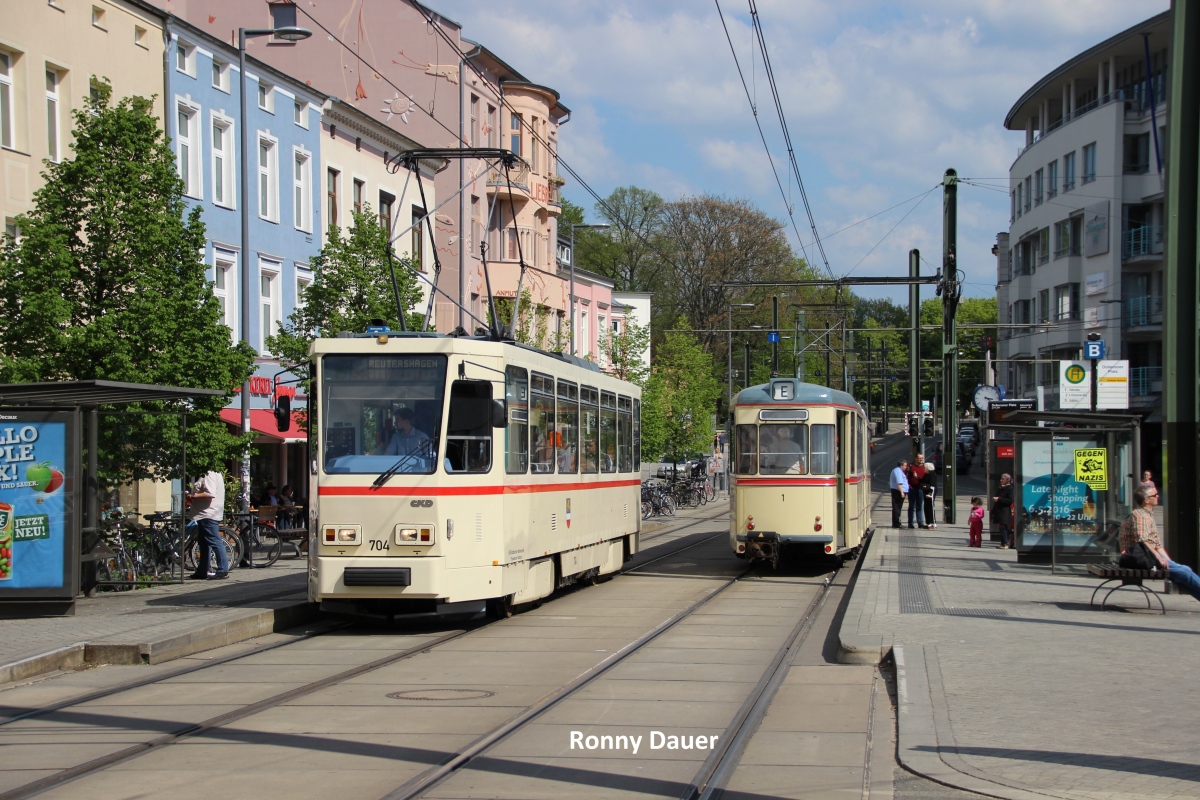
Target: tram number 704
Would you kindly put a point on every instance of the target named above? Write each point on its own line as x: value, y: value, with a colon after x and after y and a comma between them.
x: 379, y: 544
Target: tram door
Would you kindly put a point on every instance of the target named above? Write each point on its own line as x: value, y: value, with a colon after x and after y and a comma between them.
x: 843, y: 439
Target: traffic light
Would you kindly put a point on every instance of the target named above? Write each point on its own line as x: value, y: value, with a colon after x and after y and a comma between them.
x: 914, y: 425
x: 929, y: 426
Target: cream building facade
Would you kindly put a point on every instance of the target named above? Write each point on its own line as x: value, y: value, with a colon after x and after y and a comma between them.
x: 50, y: 53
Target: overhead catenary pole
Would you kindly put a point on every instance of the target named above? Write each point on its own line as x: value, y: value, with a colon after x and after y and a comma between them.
x: 870, y: 385
x: 775, y: 336
x: 1181, y: 364
x: 950, y: 292
x: 883, y: 366
x: 914, y: 346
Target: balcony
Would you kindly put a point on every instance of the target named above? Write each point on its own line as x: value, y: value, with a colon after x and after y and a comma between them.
x: 1145, y: 381
x: 1140, y: 312
x: 1140, y: 242
x: 499, y: 181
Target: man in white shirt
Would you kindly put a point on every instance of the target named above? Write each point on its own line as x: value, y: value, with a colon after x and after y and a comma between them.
x: 206, y: 502
x: 898, y: 483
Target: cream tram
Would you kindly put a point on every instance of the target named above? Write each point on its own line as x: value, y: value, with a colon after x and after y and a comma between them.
x: 448, y: 470
x: 800, y: 481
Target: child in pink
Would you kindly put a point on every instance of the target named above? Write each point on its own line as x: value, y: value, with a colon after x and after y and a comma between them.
x: 976, y: 522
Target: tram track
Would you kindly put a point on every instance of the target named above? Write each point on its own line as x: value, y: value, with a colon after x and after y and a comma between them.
x: 189, y: 730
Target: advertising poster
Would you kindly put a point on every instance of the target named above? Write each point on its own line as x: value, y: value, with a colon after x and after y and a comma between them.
x: 1051, y: 497
x: 33, y: 504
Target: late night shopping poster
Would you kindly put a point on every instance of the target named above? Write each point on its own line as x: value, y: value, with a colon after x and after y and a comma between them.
x: 32, y: 464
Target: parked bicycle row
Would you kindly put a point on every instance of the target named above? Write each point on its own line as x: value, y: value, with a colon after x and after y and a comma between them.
x: 662, y: 498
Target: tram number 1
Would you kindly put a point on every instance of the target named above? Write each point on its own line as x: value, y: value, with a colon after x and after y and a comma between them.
x: 379, y: 544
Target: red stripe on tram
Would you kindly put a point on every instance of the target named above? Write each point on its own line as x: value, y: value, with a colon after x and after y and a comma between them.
x: 459, y: 491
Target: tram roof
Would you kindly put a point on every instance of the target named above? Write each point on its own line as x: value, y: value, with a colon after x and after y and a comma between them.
x: 763, y: 394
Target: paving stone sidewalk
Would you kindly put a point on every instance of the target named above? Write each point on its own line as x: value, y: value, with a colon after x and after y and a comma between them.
x: 159, y: 623
x: 1010, y: 685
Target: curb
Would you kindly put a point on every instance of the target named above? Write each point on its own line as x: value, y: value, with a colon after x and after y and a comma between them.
x: 853, y: 647
x: 62, y: 658
x: 206, y: 637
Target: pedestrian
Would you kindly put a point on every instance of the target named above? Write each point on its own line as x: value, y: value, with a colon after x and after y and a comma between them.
x: 1002, y: 512
x: 1139, y: 526
x: 269, y: 498
x: 207, y: 505
x: 916, y: 496
x: 1148, y: 479
x: 976, y: 522
x: 405, y: 439
x: 898, y: 483
x: 286, y: 499
x: 929, y: 489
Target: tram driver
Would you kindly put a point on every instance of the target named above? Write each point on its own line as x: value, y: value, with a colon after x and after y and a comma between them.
x: 780, y: 453
x: 405, y: 437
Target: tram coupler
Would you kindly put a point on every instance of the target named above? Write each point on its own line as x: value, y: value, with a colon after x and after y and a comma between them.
x: 762, y: 545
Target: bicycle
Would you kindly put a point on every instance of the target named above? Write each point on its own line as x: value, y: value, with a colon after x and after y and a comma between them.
x: 261, y: 543
x: 191, y: 547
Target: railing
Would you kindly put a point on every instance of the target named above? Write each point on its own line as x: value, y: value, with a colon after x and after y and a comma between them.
x: 1064, y: 316
x: 1137, y: 106
x: 1142, y: 380
x: 1022, y: 269
x: 1066, y: 250
x: 1141, y: 311
x: 1144, y: 241
x: 1043, y: 257
x: 519, y: 177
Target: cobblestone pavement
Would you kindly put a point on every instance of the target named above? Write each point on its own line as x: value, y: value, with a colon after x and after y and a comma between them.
x: 158, y: 613
x: 1011, y: 685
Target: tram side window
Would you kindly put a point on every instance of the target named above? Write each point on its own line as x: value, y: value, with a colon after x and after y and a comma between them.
x: 608, y: 432
x: 516, y: 435
x: 637, y: 435
x: 853, y: 446
x: 589, y: 427
x: 624, y: 435
x: 541, y: 423
x: 783, y: 449
x: 469, y: 432
x: 746, y: 456
x: 568, y: 427
x: 823, y: 459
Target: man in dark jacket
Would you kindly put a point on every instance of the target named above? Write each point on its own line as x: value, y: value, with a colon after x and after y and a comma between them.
x: 1002, y: 511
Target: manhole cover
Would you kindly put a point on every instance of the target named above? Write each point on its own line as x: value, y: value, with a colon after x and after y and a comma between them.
x: 442, y: 694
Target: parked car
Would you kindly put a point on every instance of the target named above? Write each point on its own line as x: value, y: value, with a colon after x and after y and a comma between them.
x: 972, y: 428
x: 962, y: 458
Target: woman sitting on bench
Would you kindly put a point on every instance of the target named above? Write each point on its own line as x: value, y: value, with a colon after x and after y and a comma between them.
x: 1139, y: 527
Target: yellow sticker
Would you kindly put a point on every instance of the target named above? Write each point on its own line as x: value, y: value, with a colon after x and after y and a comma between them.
x: 1091, y: 467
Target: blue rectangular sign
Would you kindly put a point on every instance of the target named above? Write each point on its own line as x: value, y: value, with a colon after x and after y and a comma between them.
x: 773, y: 337
x: 1094, y: 350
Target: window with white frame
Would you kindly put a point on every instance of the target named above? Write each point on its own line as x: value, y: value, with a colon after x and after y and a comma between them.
x: 360, y: 188
x: 303, y: 281
x: 11, y: 229
x: 514, y: 138
x: 333, y: 179
x: 602, y: 343
x: 185, y: 58
x: 187, y: 158
x: 268, y: 179
x: 225, y: 286
x: 268, y: 292
x: 585, y: 346
x: 300, y: 113
x: 266, y: 96
x: 220, y: 75
x: 53, y: 128
x: 139, y: 36
x: 222, y: 162
x: 473, y: 139
x: 98, y: 16
x: 1089, y: 162
x: 493, y: 130
x: 534, y: 154
x: 301, y: 191
x: 6, y: 99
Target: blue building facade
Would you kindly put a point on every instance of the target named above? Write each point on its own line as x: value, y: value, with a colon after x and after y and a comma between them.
x: 284, y: 121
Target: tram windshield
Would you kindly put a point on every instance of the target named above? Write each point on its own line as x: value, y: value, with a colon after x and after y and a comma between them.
x: 381, y: 413
x: 785, y: 449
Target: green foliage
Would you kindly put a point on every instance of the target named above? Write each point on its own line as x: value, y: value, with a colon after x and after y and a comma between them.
x: 533, y: 327
x: 107, y: 283
x: 680, y: 398
x: 625, y: 353
x: 352, y: 285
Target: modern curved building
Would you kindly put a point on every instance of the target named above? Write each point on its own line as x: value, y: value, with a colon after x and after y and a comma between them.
x: 1084, y: 251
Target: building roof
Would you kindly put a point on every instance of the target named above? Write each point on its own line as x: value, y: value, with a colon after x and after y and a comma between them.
x: 70, y: 394
x: 1125, y: 45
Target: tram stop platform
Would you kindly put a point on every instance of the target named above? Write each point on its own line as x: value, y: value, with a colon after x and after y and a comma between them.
x: 159, y: 623
x: 1011, y: 685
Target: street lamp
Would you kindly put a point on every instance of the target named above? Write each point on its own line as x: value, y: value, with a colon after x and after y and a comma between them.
x: 729, y: 345
x: 597, y: 227
x: 284, y: 16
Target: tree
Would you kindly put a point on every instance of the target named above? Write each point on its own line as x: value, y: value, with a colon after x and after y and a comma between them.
x: 631, y: 250
x: 352, y: 285
x: 107, y: 283
x: 680, y: 398
x: 625, y: 353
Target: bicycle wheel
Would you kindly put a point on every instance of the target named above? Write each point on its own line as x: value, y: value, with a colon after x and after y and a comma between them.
x: 265, y: 545
x: 116, y: 571
x: 233, y: 551
x: 647, y: 509
x: 668, y: 505
x: 693, y: 498
x: 711, y: 490
x: 703, y: 493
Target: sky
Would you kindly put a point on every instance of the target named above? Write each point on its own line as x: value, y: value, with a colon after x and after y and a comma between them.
x: 880, y: 99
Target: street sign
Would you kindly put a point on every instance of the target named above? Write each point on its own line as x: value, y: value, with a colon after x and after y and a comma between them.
x: 1091, y: 467
x: 1075, y: 385
x: 1112, y: 384
x: 1094, y: 350
x: 773, y: 337
x: 998, y: 410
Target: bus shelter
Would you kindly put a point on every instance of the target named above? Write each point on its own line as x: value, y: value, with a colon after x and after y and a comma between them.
x: 1074, y: 480
x: 49, y: 496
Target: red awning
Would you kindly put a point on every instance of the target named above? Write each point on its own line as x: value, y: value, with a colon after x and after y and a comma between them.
x: 262, y: 422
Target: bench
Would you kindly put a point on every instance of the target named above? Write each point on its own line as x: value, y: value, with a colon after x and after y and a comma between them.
x: 1127, y: 577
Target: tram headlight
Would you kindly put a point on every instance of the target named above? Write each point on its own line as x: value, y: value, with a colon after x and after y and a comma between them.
x: 342, y: 535
x: 414, y: 534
